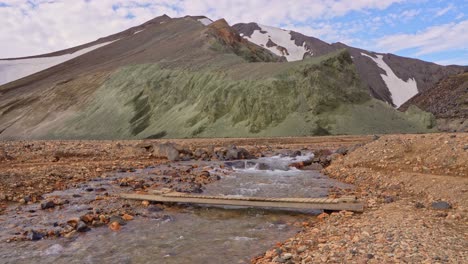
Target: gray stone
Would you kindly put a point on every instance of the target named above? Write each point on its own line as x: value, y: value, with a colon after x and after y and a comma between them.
x: 82, y: 227
x: 287, y: 256
x: 441, y: 205
x: 34, y: 235
x: 47, y: 205
x: 263, y: 166
x: 342, y: 151
x: 167, y: 151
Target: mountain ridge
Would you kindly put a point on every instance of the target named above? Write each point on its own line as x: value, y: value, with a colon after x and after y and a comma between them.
x: 190, y: 78
x: 425, y: 74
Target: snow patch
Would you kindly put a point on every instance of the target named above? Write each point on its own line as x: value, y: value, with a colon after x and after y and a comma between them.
x: 205, y: 21
x: 138, y: 32
x: 11, y: 70
x: 400, y: 90
x: 281, y: 38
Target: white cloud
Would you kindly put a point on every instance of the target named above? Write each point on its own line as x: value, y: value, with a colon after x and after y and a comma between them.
x: 40, y: 26
x: 451, y: 36
x: 444, y: 11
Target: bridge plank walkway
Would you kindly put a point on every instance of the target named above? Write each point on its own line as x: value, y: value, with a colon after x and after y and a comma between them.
x: 343, y: 203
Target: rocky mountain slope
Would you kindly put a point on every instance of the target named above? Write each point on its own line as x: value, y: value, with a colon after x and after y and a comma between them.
x: 188, y: 77
x: 388, y: 77
x: 448, y: 101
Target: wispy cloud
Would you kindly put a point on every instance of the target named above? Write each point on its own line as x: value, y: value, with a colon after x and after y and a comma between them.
x: 451, y: 36
x: 38, y: 26
x: 443, y: 11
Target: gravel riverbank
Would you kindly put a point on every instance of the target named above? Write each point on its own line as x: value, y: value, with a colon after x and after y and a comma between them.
x: 416, y: 193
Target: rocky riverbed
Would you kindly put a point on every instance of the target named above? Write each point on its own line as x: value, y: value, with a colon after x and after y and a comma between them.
x: 414, y: 186
x: 82, y: 195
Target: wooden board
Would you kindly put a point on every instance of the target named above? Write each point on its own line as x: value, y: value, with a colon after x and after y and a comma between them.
x: 286, y: 203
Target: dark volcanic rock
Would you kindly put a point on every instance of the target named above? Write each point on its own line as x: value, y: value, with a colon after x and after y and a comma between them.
x: 82, y: 227
x: 34, y: 235
x: 47, y: 205
x: 447, y: 101
x: 441, y: 205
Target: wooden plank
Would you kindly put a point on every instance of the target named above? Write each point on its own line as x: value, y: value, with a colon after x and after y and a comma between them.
x: 307, y: 204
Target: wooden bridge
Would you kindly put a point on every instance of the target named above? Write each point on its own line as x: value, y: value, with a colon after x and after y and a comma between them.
x: 348, y: 203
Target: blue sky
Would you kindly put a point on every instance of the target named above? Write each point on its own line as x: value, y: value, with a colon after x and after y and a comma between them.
x: 434, y: 31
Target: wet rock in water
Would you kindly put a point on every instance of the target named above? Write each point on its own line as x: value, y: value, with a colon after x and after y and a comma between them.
x: 234, y: 153
x: 117, y: 219
x: 441, y: 205
x: 82, y: 227
x: 47, y: 205
x: 235, y: 164
x: 167, y: 218
x: 34, y: 235
x: 375, y: 137
x: 167, y: 151
x: 154, y: 208
x: 262, y: 166
x: 296, y: 153
x: 114, y: 226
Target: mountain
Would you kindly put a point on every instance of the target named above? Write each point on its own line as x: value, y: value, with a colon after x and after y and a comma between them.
x: 448, y: 101
x: 191, y: 77
x: 388, y: 77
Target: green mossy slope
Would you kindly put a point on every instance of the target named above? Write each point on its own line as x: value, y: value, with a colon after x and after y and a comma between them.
x: 312, y: 97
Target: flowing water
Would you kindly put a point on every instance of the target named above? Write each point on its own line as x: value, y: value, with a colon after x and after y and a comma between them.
x: 188, y: 234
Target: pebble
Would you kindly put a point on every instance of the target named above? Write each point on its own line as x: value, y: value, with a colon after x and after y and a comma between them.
x: 287, y: 256
x: 127, y: 217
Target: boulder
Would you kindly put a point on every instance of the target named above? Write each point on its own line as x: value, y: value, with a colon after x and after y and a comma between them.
x: 148, y: 146
x: 166, y: 151
x: 234, y: 153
